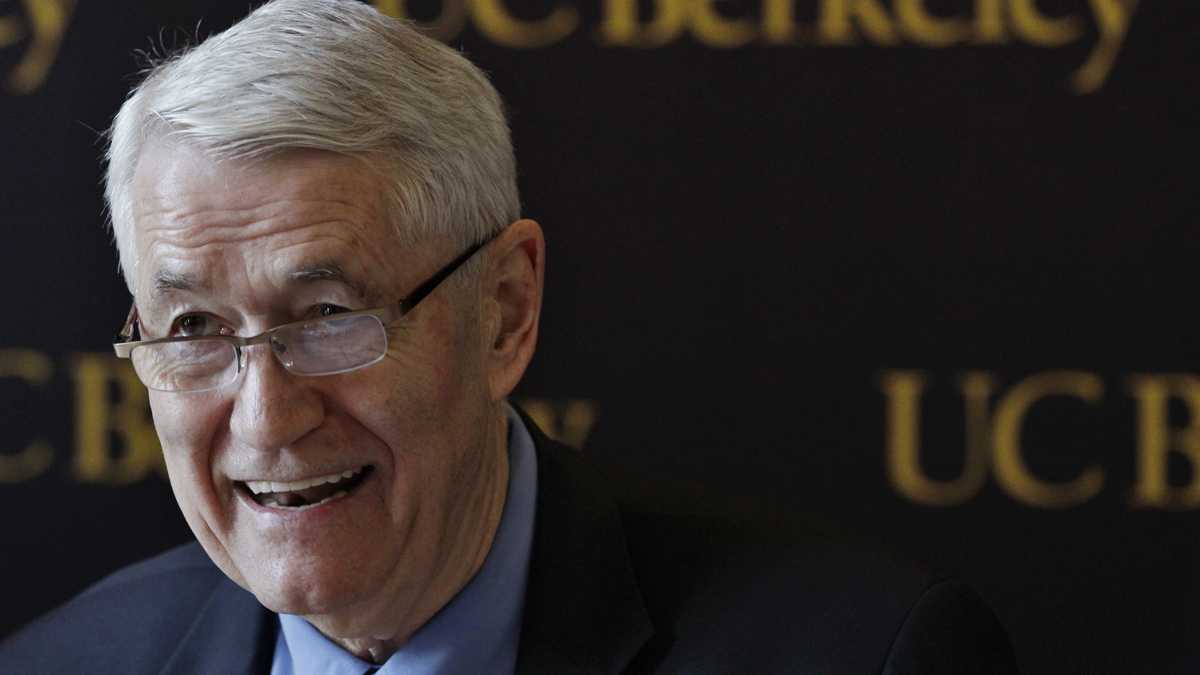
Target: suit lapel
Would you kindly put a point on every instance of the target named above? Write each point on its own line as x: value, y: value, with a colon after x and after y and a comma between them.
x: 231, y: 634
x: 583, y: 613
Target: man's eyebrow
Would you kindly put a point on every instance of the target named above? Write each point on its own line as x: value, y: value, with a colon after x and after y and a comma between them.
x: 328, y: 271
x: 166, y: 280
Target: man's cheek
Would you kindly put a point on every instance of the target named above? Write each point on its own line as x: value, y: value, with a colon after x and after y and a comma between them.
x: 183, y: 424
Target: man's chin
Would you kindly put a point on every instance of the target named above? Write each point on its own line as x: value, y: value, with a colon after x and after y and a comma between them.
x: 308, y: 600
x: 305, y: 589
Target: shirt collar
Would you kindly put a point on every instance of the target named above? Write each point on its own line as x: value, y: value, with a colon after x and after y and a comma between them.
x: 479, y: 629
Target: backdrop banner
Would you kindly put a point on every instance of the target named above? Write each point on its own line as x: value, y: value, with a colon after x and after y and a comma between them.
x: 922, y: 269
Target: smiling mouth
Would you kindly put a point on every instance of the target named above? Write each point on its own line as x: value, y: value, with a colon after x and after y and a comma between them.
x: 306, y: 493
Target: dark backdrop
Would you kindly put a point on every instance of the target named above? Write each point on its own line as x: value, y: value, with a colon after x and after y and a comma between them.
x: 922, y: 268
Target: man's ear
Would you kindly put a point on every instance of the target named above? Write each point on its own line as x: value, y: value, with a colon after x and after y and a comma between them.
x: 512, y: 303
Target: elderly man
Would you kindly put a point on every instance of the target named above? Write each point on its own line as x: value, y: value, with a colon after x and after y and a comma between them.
x: 316, y: 213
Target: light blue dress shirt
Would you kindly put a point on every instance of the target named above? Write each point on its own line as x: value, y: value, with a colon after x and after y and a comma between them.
x: 478, y: 631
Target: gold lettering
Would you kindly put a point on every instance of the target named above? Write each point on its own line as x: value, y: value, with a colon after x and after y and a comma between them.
x: 446, y: 27
x: 1038, y: 29
x: 49, y: 19
x: 568, y: 421
x: 1156, y: 440
x: 1112, y: 20
x: 989, y: 22
x: 712, y: 29
x: 98, y: 419
x: 779, y: 22
x: 34, y: 368
x: 11, y: 31
x: 1011, y: 472
x: 903, y: 390
x: 921, y: 27
x: 620, y: 26
x: 494, y: 21
x: 835, y: 27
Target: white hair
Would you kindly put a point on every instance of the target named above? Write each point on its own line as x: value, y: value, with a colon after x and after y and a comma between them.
x: 332, y: 75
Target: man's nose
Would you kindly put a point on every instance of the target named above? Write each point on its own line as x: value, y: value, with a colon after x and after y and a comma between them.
x: 273, y: 408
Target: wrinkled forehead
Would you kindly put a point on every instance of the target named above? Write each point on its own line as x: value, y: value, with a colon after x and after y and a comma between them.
x: 198, y: 222
x: 176, y: 179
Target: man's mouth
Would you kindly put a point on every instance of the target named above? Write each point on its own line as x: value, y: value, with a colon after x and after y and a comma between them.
x: 306, y: 493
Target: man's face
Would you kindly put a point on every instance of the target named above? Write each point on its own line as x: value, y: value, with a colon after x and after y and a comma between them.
x: 238, y: 248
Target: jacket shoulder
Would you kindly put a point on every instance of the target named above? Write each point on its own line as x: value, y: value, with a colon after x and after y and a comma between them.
x: 951, y: 630
x: 621, y: 557
x: 135, y: 617
x: 799, y: 597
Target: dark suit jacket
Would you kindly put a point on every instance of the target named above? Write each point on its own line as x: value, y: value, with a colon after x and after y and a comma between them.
x: 612, y: 589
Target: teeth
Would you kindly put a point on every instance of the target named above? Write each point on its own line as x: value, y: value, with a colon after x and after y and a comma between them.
x: 273, y: 503
x: 260, y: 486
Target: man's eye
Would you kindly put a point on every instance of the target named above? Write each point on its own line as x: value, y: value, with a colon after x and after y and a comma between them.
x: 327, y: 309
x: 190, y: 325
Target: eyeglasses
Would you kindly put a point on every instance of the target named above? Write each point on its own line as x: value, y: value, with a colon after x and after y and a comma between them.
x: 338, y: 343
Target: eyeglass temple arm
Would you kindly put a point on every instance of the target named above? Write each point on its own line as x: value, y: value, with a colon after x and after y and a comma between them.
x: 127, y: 330
x: 433, y: 282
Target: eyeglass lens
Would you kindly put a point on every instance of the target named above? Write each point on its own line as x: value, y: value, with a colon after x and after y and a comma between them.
x: 326, y: 346
x: 331, y: 345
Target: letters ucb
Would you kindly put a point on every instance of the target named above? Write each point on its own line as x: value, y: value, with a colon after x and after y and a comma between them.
x: 994, y: 420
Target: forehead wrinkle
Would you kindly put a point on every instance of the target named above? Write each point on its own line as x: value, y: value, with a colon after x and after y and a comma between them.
x: 179, y: 186
x: 197, y: 227
x: 205, y: 250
